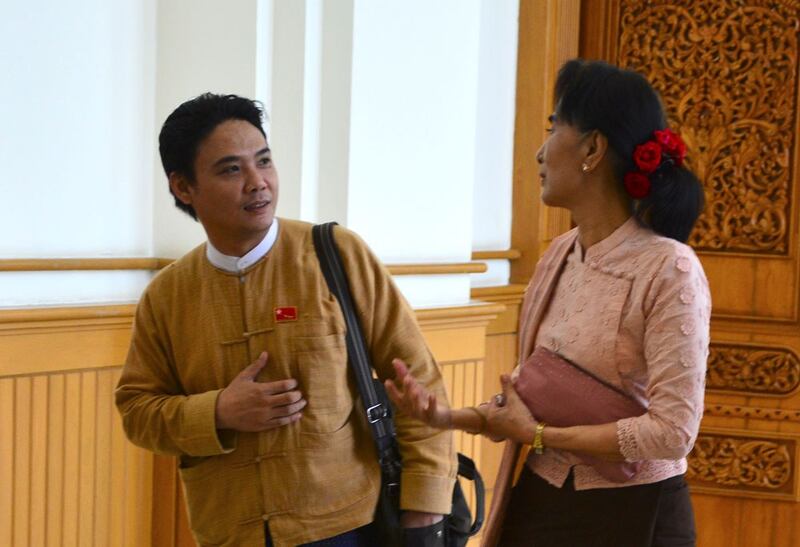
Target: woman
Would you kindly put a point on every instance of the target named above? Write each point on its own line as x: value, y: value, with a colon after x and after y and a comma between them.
x: 626, y: 299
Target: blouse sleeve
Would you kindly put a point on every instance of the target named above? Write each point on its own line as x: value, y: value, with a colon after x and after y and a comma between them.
x: 676, y: 337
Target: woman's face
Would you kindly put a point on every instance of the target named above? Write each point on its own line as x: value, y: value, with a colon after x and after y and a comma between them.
x: 560, y: 158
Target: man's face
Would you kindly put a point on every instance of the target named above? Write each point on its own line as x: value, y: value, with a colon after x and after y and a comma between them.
x: 235, y: 190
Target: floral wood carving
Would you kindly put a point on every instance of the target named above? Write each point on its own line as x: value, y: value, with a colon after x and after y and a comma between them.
x: 755, y: 464
x: 752, y: 369
x: 727, y: 71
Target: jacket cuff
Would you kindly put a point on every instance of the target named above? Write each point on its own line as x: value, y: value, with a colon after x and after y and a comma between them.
x: 426, y: 493
x: 199, y: 427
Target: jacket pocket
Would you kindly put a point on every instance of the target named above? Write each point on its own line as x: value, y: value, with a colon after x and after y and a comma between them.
x: 321, y: 369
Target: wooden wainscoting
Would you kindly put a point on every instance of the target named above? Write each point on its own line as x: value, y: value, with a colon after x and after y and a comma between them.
x: 68, y: 475
x: 460, y: 345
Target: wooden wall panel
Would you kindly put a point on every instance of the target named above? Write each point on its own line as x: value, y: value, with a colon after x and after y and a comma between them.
x: 69, y: 475
x: 71, y: 480
x: 76, y: 480
x: 7, y: 418
x: 745, y: 522
x: 463, y: 380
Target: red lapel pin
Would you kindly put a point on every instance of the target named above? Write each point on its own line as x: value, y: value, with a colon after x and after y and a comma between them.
x: 286, y: 313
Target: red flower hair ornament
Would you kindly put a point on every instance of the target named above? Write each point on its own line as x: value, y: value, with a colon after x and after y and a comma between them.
x: 672, y: 144
x: 637, y: 184
x: 664, y: 146
x: 647, y: 156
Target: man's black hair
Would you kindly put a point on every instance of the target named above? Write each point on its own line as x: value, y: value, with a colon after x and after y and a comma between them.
x: 191, y: 123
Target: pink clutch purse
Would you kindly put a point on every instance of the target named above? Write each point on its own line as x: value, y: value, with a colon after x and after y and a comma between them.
x: 563, y: 394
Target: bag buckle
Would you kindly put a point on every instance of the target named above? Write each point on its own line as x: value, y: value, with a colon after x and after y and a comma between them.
x: 375, y: 413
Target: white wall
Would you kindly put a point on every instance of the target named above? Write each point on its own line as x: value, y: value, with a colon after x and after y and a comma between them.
x: 494, y: 158
x: 203, y: 45
x: 74, y: 144
x: 413, y: 127
x: 412, y: 135
x: 389, y: 116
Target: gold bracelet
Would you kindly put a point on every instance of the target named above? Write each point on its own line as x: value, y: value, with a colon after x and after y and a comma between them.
x: 537, y: 444
x: 482, y: 427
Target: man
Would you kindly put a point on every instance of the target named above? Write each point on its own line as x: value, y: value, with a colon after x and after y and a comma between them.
x: 238, y: 364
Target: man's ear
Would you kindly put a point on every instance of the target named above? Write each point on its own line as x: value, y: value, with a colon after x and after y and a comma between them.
x: 181, y: 187
x: 595, y: 149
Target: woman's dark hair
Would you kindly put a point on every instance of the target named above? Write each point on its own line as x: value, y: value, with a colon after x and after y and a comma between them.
x: 623, y: 106
x: 191, y: 123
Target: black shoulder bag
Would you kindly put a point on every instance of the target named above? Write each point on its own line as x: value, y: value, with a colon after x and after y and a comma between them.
x: 458, y: 524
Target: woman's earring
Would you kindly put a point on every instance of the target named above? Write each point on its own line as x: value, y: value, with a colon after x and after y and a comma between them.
x: 585, y: 168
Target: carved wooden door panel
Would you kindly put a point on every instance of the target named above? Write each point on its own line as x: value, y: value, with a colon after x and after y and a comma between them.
x: 728, y: 74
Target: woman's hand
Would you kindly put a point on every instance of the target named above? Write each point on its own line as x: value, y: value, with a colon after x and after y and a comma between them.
x: 508, y: 417
x: 414, y: 399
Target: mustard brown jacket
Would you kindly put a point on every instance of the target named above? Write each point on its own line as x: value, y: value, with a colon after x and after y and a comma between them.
x: 197, y: 327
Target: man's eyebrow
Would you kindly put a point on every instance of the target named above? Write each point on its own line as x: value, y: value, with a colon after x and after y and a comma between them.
x: 551, y: 118
x: 229, y: 159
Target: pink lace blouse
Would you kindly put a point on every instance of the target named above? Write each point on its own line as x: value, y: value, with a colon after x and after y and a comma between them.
x: 635, y: 311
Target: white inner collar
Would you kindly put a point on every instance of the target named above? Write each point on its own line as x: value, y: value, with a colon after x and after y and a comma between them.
x: 236, y: 264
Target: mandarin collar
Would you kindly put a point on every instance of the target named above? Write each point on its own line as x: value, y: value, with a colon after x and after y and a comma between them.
x: 604, y: 246
x: 235, y: 264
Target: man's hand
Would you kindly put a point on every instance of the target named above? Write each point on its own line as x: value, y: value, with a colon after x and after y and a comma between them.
x: 247, y: 405
x: 415, y: 400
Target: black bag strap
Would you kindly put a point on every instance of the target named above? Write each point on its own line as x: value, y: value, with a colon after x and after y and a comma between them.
x: 373, y: 397
x: 376, y: 408
x: 467, y: 469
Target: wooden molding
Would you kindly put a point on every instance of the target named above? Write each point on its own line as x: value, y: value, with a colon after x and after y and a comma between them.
x: 476, y: 313
x: 81, y: 264
x: 750, y: 321
x: 510, y: 254
x: 11, y: 318
x: 42, y: 340
x: 511, y: 297
x: 549, y: 32
x: 68, y: 359
x: 155, y: 264
x: 752, y: 412
x: 511, y: 293
x: 437, y: 269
